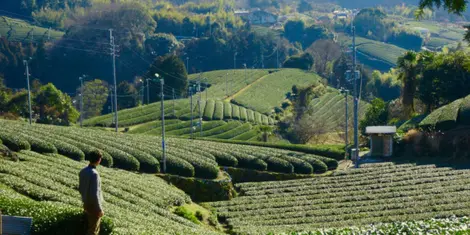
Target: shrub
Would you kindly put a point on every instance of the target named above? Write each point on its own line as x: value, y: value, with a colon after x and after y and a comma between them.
x: 227, y: 110
x: 250, y: 115
x: 258, y: 119
x: 38, y: 145
x: 243, y: 114
x: 219, y: 111
x: 224, y: 159
x: 209, y: 110
x: 14, y: 142
x: 185, y: 213
x: 247, y: 135
x: 279, y: 165
x: 235, y: 112
x: 48, y: 217
x: 234, y: 132
x: 250, y: 162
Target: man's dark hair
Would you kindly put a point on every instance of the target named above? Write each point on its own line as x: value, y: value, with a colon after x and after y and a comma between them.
x: 95, y: 156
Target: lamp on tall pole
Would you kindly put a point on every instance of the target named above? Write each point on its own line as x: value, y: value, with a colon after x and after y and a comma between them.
x: 81, y: 100
x: 26, y: 63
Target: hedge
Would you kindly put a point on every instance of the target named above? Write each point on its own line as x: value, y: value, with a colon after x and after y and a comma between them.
x: 178, y: 166
x: 221, y: 129
x: 66, y: 149
x: 49, y: 218
x: 38, y: 145
x: 205, y: 127
x: 318, y: 165
x: 258, y: 118
x: 219, y: 111
x: 14, y: 142
x: 300, y: 166
x: 150, y: 125
x: 243, y: 114
x: 223, y: 158
x: 464, y: 112
x: 234, y: 132
x: 247, y: 135
x: 209, y: 110
x: 250, y: 162
x: 279, y: 165
x: 264, y: 120
x: 250, y: 115
x: 271, y: 121
x: 227, y: 110
x: 331, y: 151
x: 235, y: 112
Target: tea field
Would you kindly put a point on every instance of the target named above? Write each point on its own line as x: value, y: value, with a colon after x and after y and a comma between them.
x: 374, y: 193
x: 270, y: 91
x: 135, y: 203
x: 449, y: 116
x: 185, y: 157
x: 181, y: 109
x: 20, y: 30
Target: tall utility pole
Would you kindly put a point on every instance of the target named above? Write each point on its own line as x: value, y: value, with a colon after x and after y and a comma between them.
x: 355, y: 97
x: 277, y: 51
x: 346, y: 140
x: 191, y: 102
x: 244, y: 65
x: 112, y: 103
x: 187, y: 64
x: 262, y: 60
x: 148, y: 91
x: 26, y: 63
x: 162, y: 83
x: 235, y: 60
x: 81, y: 101
x: 226, y: 84
x: 200, y: 109
x: 113, y: 55
x: 173, y: 98
x: 205, y: 86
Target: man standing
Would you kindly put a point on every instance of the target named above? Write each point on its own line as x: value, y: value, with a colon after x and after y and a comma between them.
x: 90, y: 189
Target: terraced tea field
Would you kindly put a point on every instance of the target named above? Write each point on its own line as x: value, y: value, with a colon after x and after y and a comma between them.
x: 181, y: 109
x: 136, y: 203
x: 236, y: 79
x: 449, y: 116
x: 371, y: 194
x: 20, y: 30
x: 190, y: 158
x: 331, y: 108
x: 270, y: 91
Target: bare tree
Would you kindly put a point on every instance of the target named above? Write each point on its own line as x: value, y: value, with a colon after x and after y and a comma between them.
x: 308, y: 128
x: 325, y: 52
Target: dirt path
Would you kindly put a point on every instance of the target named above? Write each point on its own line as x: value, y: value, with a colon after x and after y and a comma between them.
x: 245, y: 88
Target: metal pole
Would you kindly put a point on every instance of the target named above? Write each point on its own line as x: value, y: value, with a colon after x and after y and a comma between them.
x: 235, y: 60
x: 226, y: 85
x: 112, y: 103
x: 148, y: 92
x: 205, y: 86
x: 244, y: 65
x: 173, y: 98
x: 199, y: 104
x: 191, y: 102
x: 277, y: 51
x: 356, y: 128
x: 81, y: 101
x: 113, y: 54
x: 187, y: 64
x: 162, y: 82
x: 347, y: 125
x: 29, y: 91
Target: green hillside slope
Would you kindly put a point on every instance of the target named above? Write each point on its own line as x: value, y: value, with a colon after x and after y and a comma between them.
x: 236, y: 81
x: 449, y: 116
x: 20, y: 30
x: 136, y: 203
x: 182, y: 110
x: 270, y: 91
x: 190, y: 158
x: 377, y: 193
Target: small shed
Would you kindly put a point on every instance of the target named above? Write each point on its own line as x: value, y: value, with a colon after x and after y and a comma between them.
x: 381, y: 140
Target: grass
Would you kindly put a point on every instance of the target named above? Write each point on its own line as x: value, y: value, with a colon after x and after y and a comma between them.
x: 22, y: 28
x: 268, y: 93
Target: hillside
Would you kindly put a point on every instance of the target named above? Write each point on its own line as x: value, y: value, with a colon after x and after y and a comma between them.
x: 449, y: 116
x: 330, y: 109
x: 143, y: 153
x: 374, y: 193
x: 270, y: 91
x: 136, y: 203
x: 20, y: 30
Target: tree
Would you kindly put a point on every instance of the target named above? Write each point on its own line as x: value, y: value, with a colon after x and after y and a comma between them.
x: 294, y: 30
x: 54, y: 107
x: 5, y: 94
x: 303, y: 61
x: 128, y: 95
x: 161, y: 44
x: 324, y: 52
x: 95, y: 95
x: 376, y: 115
x: 385, y: 86
x: 408, y: 72
x: 173, y: 70
x: 304, y: 6
x: 371, y: 23
x: 313, y: 33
